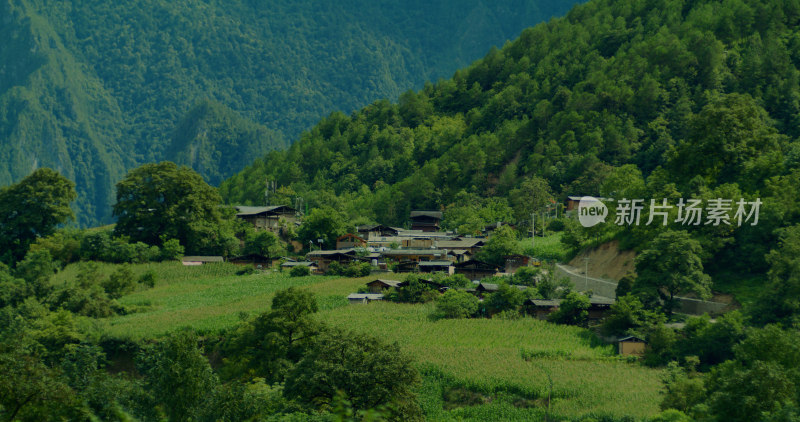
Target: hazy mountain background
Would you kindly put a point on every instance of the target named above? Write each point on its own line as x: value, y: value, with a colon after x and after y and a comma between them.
x: 93, y: 88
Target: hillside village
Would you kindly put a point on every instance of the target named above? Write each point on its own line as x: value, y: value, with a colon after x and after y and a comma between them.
x: 426, y: 250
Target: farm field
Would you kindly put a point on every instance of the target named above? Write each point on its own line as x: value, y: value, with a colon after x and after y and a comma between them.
x: 473, y: 369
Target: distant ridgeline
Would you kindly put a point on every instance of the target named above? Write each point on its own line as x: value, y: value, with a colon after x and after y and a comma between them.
x: 95, y: 88
x: 658, y: 99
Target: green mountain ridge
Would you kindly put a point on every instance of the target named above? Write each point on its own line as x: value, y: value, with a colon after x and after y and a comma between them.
x: 94, y: 88
x: 638, y: 99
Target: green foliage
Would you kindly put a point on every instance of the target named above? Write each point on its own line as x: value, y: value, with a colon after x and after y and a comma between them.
x: 367, y: 371
x: 456, y: 304
x: 31, y: 209
x: 120, y: 283
x: 263, y: 243
x: 163, y: 201
x: 669, y: 266
x: 502, y: 243
x: 629, y: 317
x: 415, y: 291
x: 506, y: 298
x: 177, y: 375
x: 526, y: 276
x: 148, y: 279
x: 778, y: 302
x: 323, y: 223
x: 299, y: 271
x: 573, y: 310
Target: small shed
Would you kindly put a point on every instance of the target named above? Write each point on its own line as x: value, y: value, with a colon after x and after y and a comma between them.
x: 362, y: 298
x: 631, y: 346
x: 378, y: 286
x: 426, y: 221
x: 200, y: 260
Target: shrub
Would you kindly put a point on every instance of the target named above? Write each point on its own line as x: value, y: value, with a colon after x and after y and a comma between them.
x: 573, y: 310
x: 299, y: 271
x: 148, y: 279
x: 119, y: 283
x: 248, y: 270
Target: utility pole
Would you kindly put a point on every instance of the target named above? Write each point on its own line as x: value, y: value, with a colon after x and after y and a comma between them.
x: 586, y: 273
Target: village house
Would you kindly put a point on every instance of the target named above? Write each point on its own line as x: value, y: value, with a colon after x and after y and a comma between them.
x: 379, y: 285
x: 323, y: 259
x: 470, y: 244
x: 291, y: 264
x: 541, y: 308
x: 350, y: 240
x: 475, y: 270
x: 459, y: 255
x: 437, y: 266
x: 200, y: 260
x: 484, y: 288
x: 426, y: 221
x: 416, y: 255
x: 256, y: 260
x: 514, y: 262
x: 599, y: 307
x: 268, y: 218
x: 369, y: 231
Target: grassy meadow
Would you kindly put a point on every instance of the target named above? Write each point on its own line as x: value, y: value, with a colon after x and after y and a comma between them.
x: 473, y: 369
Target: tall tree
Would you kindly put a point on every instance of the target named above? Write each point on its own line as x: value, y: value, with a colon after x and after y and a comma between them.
x: 156, y: 202
x: 670, y: 266
x: 33, y: 208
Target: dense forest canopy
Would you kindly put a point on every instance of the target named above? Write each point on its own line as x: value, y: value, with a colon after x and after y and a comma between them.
x: 95, y: 88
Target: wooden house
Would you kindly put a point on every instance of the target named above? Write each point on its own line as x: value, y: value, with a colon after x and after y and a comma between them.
x: 256, y: 260
x: 469, y: 244
x: 426, y: 221
x: 350, y: 240
x: 417, y: 255
x: 323, y: 259
x: 459, y: 255
x: 475, y: 270
x: 268, y: 218
x: 631, y: 346
x: 369, y: 231
x: 541, y: 308
x: 378, y: 285
x: 599, y: 307
x: 514, y: 262
x: 443, y: 266
x: 200, y: 260
x: 362, y: 298
x: 291, y: 264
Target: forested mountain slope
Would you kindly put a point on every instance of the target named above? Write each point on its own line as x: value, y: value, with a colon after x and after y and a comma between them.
x: 93, y: 88
x: 652, y: 98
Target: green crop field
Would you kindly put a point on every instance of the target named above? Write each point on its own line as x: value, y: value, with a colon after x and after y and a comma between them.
x: 480, y: 359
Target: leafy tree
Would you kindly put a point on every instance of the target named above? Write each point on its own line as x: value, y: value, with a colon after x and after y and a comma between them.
x: 36, y: 269
x: 456, y: 304
x: 532, y: 195
x: 322, y: 223
x: 628, y: 316
x: 299, y: 271
x: 671, y: 265
x: 526, y: 276
x: 367, y: 371
x: 502, y: 243
x: 573, y: 310
x: 31, y: 209
x: 506, y: 298
x: 177, y: 375
x: 779, y: 300
x: 163, y: 201
x: 264, y: 243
